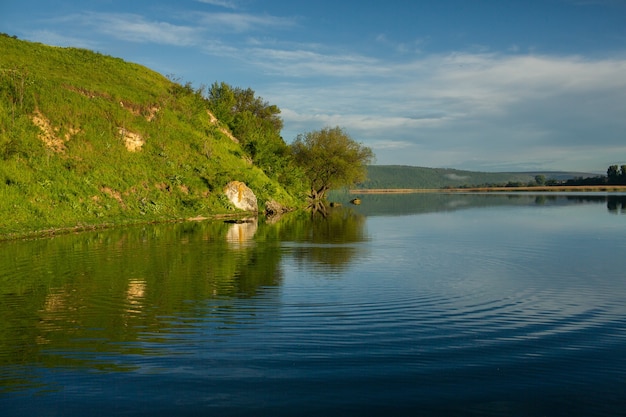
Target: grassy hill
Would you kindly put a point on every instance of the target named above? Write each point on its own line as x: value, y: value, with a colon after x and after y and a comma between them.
x: 410, y: 177
x: 88, y: 139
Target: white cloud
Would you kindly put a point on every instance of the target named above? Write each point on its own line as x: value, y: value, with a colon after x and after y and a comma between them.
x: 463, y: 108
x: 414, y: 47
x: 442, y: 109
x: 242, y: 22
x: 306, y: 63
x: 50, y: 37
x: 194, y: 32
x: 134, y: 28
x: 390, y: 144
x: 227, y: 4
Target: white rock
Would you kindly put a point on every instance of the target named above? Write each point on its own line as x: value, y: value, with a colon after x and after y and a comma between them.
x: 241, y: 196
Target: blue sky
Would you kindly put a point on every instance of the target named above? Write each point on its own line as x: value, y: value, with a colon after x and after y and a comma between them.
x: 480, y: 85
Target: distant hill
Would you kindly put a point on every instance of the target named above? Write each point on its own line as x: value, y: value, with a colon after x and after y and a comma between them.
x: 88, y: 139
x: 411, y: 177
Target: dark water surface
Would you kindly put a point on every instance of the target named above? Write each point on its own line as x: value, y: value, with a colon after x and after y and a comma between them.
x: 494, y: 305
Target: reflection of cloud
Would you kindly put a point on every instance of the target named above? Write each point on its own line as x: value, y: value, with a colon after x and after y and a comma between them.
x: 241, y: 234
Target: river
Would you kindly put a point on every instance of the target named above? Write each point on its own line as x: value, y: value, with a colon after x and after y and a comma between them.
x: 421, y: 304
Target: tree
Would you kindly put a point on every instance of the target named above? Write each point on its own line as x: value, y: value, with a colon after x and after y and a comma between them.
x: 612, y: 174
x: 540, y: 179
x: 221, y: 100
x: 330, y: 158
x: 255, y: 123
x: 237, y: 107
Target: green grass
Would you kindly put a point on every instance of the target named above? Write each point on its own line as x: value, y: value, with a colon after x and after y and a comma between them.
x: 88, y: 177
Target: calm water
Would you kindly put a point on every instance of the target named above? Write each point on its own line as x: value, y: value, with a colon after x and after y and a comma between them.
x: 414, y: 305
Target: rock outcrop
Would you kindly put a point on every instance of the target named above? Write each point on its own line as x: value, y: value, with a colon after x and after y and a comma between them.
x: 241, y: 196
x: 274, y: 208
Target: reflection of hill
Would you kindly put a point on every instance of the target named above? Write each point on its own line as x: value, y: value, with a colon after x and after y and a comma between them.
x: 102, y: 292
x: 88, y: 300
x: 404, y: 204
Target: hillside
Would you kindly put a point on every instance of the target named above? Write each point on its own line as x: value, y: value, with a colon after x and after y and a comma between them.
x: 88, y: 139
x: 410, y: 177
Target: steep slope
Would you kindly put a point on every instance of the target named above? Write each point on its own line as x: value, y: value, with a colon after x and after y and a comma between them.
x: 88, y: 139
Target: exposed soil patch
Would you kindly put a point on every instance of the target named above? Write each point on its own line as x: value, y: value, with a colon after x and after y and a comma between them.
x: 132, y: 141
x: 51, y: 135
x: 225, y: 131
x: 87, y: 93
x: 114, y: 194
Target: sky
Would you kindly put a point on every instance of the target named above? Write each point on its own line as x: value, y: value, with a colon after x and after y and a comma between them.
x: 493, y: 85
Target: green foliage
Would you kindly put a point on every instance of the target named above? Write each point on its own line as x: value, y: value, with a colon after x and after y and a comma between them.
x: 256, y: 124
x: 330, y: 158
x: 540, y: 179
x: 616, y: 175
x: 222, y: 102
x: 87, y: 139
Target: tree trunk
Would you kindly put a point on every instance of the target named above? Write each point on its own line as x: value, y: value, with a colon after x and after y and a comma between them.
x: 317, y: 199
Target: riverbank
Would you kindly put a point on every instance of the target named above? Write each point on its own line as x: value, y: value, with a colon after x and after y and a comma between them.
x: 576, y: 188
x: 55, y: 231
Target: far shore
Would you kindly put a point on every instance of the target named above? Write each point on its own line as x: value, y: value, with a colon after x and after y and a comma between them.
x: 556, y: 188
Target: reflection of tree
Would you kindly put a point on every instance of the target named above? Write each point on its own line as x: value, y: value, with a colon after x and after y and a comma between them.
x: 616, y: 204
x: 325, y: 240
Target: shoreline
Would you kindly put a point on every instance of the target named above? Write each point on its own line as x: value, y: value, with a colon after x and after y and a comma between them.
x: 556, y: 188
x: 55, y: 231
x: 58, y: 231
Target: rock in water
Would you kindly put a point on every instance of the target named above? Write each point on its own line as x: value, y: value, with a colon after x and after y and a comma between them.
x: 241, y: 196
x: 274, y: 208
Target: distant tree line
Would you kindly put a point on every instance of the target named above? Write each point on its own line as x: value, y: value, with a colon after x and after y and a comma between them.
x: 615, y: 175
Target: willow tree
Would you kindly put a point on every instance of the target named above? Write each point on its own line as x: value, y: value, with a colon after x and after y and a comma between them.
x: 330, y: 158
